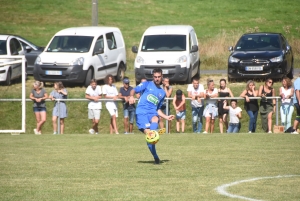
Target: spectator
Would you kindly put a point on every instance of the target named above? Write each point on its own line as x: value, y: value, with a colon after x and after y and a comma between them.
x: 60, y: 109
x: 296, y: 101
x: 110, y: 92
x: 211, y: 110
x: 196, y: 92
x: 286, y: 109
x: 39, y: 95
x: 223, y: 92
x: 168, y: 89
x: 235, y: 114
x: 179, y: 106
x: 251, y: 105
x: 128, y: 109
x: 267, y: 106
x: 93, y: 93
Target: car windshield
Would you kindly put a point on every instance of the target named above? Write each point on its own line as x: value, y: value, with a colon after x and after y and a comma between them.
x: 156, y: 43
x: 70, y: 44
x: 258, y: 43
x: 3, y: 50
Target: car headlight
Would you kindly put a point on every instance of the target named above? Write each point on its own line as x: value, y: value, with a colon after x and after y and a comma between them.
x: 233, y: 59
x: 78, y: 61
x: 139, y: 60
x: 38, y: 61
x: 277, y: 59
x: 181, y: 59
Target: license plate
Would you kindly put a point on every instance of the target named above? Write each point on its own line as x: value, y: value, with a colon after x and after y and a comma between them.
x: 53, y: 72
x: 254, y: 68
x: 165, y: 71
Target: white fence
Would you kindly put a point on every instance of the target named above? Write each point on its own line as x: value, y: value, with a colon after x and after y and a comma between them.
x: 277, y: 98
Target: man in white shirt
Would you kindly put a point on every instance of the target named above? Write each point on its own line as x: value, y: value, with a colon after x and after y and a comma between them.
x: 110, y: 92
x: 196, y: 92
x: 94, y: 93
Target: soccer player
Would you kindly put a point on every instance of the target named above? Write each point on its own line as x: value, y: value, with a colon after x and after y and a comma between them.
x: 148, y: 109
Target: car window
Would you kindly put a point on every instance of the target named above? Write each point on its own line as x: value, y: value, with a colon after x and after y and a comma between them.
x: 164, y: 43
x: 111, y: 41
x: 99, y: 44
x: 3, y: 50
x: 14, y: 46
x: 70, y: 44
x: 258, y: 43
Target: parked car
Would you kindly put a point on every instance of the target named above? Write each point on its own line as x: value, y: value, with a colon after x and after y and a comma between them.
x: 173, y: 48
x: 32, y: 51
x: 78, y: 54
x: 10, y: 46
x: 261, y: 55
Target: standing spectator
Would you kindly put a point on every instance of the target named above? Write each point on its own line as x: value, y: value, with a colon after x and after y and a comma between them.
x: 196, y: 92
x: 180, y: 108
x: 168, y: 89
x: 296, y: 101
x: 110, y: 92
x: 235, y: 114
x: 286, y: 109
x: 211, y: 109
x: 39, y: 95
x: 251, y: 105
x: 93, y: 93
x: 148, y: 108
x: 60, y: 109
x: 267, y: 106
x: 224, y: 91
x: 128, y: 109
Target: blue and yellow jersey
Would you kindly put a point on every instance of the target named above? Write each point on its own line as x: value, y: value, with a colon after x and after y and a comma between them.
x: 152, y: 98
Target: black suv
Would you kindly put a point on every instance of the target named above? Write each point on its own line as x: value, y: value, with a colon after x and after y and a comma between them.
x: 260, y: 55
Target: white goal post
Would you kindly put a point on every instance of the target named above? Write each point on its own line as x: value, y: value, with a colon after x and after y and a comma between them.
x: 17, y: 60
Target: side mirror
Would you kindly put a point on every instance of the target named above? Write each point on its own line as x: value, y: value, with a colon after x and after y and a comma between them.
x: 100, y: 51
x: 230, y: 49
x: 28, y: 48
x: 194, y: 48
x: 288, y: 48
x: 134, y: 49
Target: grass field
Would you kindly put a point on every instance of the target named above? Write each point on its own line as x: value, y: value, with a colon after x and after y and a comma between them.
x: 111, y: 167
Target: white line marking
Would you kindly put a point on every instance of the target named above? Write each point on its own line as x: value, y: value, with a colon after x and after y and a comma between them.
x: 222, y: 189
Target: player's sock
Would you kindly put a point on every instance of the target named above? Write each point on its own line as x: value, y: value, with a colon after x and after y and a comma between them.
x: 153, y: 126
x: 152, y: 150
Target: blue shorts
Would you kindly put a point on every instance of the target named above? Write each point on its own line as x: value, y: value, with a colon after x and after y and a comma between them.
x: 181, y: 115
x: 143, y: 121
x: 129, y: 114
x: 39, y: 109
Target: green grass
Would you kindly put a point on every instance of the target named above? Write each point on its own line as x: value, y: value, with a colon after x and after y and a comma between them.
x: 111, y: 167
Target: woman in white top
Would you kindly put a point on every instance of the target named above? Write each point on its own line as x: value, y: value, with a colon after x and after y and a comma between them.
x: 110, y: 92
x: 235, y: 114
x: 286, y: 108
x: 211, y: 110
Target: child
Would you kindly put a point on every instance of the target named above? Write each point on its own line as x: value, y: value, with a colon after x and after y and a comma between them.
x: 235, y: 114
x: 59, y: 92
x: 179, y: 105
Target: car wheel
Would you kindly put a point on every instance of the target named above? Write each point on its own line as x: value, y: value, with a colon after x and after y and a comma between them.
x: 88, y: 78
x: 291, y: 73
x: 121, y: 72
x: 8, y: 78
x: 189, y: 78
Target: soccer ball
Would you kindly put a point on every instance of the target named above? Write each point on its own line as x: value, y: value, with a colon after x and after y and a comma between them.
x: 152, y: 137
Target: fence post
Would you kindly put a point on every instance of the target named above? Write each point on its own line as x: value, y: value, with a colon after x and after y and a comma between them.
x: 58, y: 119
x: 167, y: 113
x: 277, y: 111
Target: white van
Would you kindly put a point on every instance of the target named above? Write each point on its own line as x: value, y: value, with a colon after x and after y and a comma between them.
x: 76, y: 55
x: 173, y: 48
